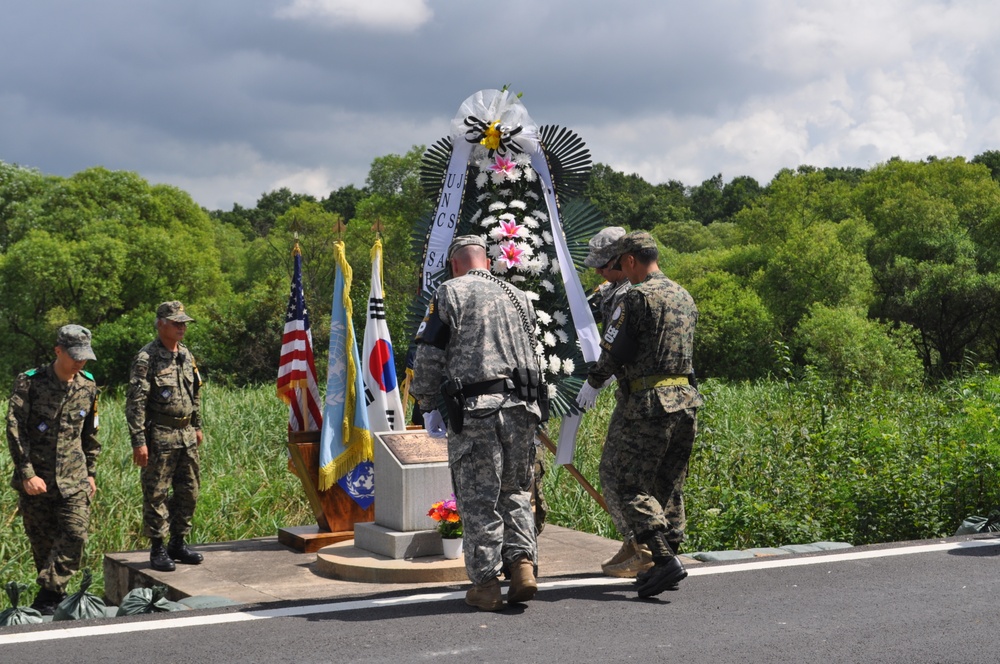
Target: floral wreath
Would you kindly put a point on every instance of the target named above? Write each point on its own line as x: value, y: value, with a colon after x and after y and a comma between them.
x: 503, y: 201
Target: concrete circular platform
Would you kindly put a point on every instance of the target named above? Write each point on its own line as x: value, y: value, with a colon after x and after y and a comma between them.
x: 346, y: 562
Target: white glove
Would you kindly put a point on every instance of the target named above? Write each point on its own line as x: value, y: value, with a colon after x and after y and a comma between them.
x: 434, y: 424
x: 610, y: 380
x: 587, y: 396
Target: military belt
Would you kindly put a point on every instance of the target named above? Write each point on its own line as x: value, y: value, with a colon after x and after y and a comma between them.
x: 171, y: 422
x: 499, y: 386
x: 649, y: 382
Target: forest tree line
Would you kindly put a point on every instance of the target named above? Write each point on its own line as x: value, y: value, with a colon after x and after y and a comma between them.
x: 887, y: 275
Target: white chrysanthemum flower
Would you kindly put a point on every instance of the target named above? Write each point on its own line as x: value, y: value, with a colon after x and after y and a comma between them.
x: 560, y: 318
x: 499, y: 205
x: 488, y: 220
x: 522, y: 158
x: 520, y: 205
x: 531, y: 295
x: 537, y: 241
x: 543, y: 259
x: 481, y: 180
x: 555, y: 266
x: 550, y: 340
x: 498, y: 268
x: 517, y: 279
x: 553, y: 390
x: 529, y: 174
x: 535, y: 266
x: 530, y: 221
x: 547, y: 236
x: 568, y: 366
x: 497, y: 177
x: 543, y: 317
x: 506, y: 216
x: 482, y: 197
x: 554, y: 364
x: 547, y: 285
x: 476, y: 215
x: 563, y: 337
x: 542, y: 216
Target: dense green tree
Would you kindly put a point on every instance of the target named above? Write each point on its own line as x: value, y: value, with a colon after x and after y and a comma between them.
x: 344, y: 201
x: 706, y: 200
x: 934, y: 255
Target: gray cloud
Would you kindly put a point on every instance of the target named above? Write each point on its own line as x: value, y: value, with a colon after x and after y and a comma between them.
x: 228, y: 99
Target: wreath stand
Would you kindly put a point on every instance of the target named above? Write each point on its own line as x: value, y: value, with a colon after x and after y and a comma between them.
x: 335, y: 511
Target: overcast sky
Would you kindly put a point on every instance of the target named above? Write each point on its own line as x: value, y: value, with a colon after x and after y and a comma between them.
x: 229, y: 99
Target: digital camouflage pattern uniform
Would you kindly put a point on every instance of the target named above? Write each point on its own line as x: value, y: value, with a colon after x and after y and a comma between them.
x: 163, y: 411
x: 492, y: 459
x: 52, y: 434
x: 605, y: 300
x: 650, y: 340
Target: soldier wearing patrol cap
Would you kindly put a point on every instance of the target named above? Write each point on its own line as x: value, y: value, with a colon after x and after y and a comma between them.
x: 163, y: 410
x: 648, y: 346
x: 52, y: 436
x: 633, y: 557
x: 476, y: 347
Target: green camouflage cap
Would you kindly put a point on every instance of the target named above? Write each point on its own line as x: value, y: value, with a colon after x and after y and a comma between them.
x: 173, y: 311
x: 465, y: 241
x: 634, y: 241
x: 76, y: 340
x: 602, y: 246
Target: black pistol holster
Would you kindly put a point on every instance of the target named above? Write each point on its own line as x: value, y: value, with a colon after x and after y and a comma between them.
x: 454, y: 403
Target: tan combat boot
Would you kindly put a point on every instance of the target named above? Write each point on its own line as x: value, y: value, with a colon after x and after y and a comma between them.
x: 485, y: 596
x: 523, y: 585
x: 630, y: 560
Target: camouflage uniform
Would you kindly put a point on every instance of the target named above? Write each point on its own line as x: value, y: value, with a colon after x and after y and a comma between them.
x: 651, y: 340
x: 52, y: 434
x: 163, y: 410
x: 604, y: 302
x: 492, y: 459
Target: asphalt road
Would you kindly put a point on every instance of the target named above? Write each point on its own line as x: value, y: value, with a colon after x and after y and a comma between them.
x: 917, y: 602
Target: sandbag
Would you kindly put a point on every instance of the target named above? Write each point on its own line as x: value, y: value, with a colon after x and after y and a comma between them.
x: 81, y: 604
x: 18, y: 615
x: 147, y: 600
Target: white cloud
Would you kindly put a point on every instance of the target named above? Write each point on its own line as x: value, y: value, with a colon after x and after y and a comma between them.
x: 376, y: 15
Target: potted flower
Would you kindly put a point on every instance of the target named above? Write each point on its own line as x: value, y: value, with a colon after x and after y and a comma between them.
x: 445, y: 512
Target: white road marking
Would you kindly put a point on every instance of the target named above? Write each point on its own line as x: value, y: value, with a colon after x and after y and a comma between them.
x: 367, y: 604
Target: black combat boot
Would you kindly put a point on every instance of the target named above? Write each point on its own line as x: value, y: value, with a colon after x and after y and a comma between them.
x: 667, y: 570
x: 47, y: 600
x: 158, y: 557
x: 179, y: 551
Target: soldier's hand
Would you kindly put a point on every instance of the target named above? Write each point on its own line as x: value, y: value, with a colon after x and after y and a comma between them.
x: 140, y: 456
x: 93, y: 485
x: 587, y: 396
x: 35, y: 486
x: 434, y: 424
x: 199, y: 436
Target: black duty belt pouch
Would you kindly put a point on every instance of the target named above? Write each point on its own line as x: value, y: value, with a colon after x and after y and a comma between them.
x: 454, y: 404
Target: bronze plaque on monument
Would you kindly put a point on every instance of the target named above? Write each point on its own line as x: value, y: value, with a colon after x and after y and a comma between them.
x: 415, y: 447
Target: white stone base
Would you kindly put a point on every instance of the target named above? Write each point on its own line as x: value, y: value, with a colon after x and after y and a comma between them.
x: 396, y: 544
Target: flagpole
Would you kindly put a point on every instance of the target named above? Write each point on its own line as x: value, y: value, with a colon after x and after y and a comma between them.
x: 303, y: 393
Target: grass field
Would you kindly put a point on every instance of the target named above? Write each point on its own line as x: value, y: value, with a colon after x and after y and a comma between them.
x: 775, y: 463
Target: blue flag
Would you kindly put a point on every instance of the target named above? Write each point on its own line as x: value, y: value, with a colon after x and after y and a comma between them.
x: 346, y: 450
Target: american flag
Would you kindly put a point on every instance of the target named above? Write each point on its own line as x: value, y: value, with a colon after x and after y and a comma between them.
x: 297, y: 369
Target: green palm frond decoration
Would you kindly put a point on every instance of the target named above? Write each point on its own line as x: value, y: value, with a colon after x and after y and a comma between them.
x: 569, y: 160
x: 433, y: 166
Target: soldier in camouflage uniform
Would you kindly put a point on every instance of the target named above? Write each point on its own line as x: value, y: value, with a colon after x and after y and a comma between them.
x: 633, y: 557
x: 649, y: 346
x: 479, y: 332
x: 52, y: 436
x: 163, y: 410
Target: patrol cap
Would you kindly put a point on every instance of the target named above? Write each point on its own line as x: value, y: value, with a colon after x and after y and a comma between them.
x: 634, y: 241
x: 76, y: 340
x: 173, y: 311
x: 465, y: 241
x: 602, y: 246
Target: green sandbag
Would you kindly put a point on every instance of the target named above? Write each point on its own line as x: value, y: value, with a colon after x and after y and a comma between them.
x: 81, y: 605
x: 18, y: 615
x: 147, y: 600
